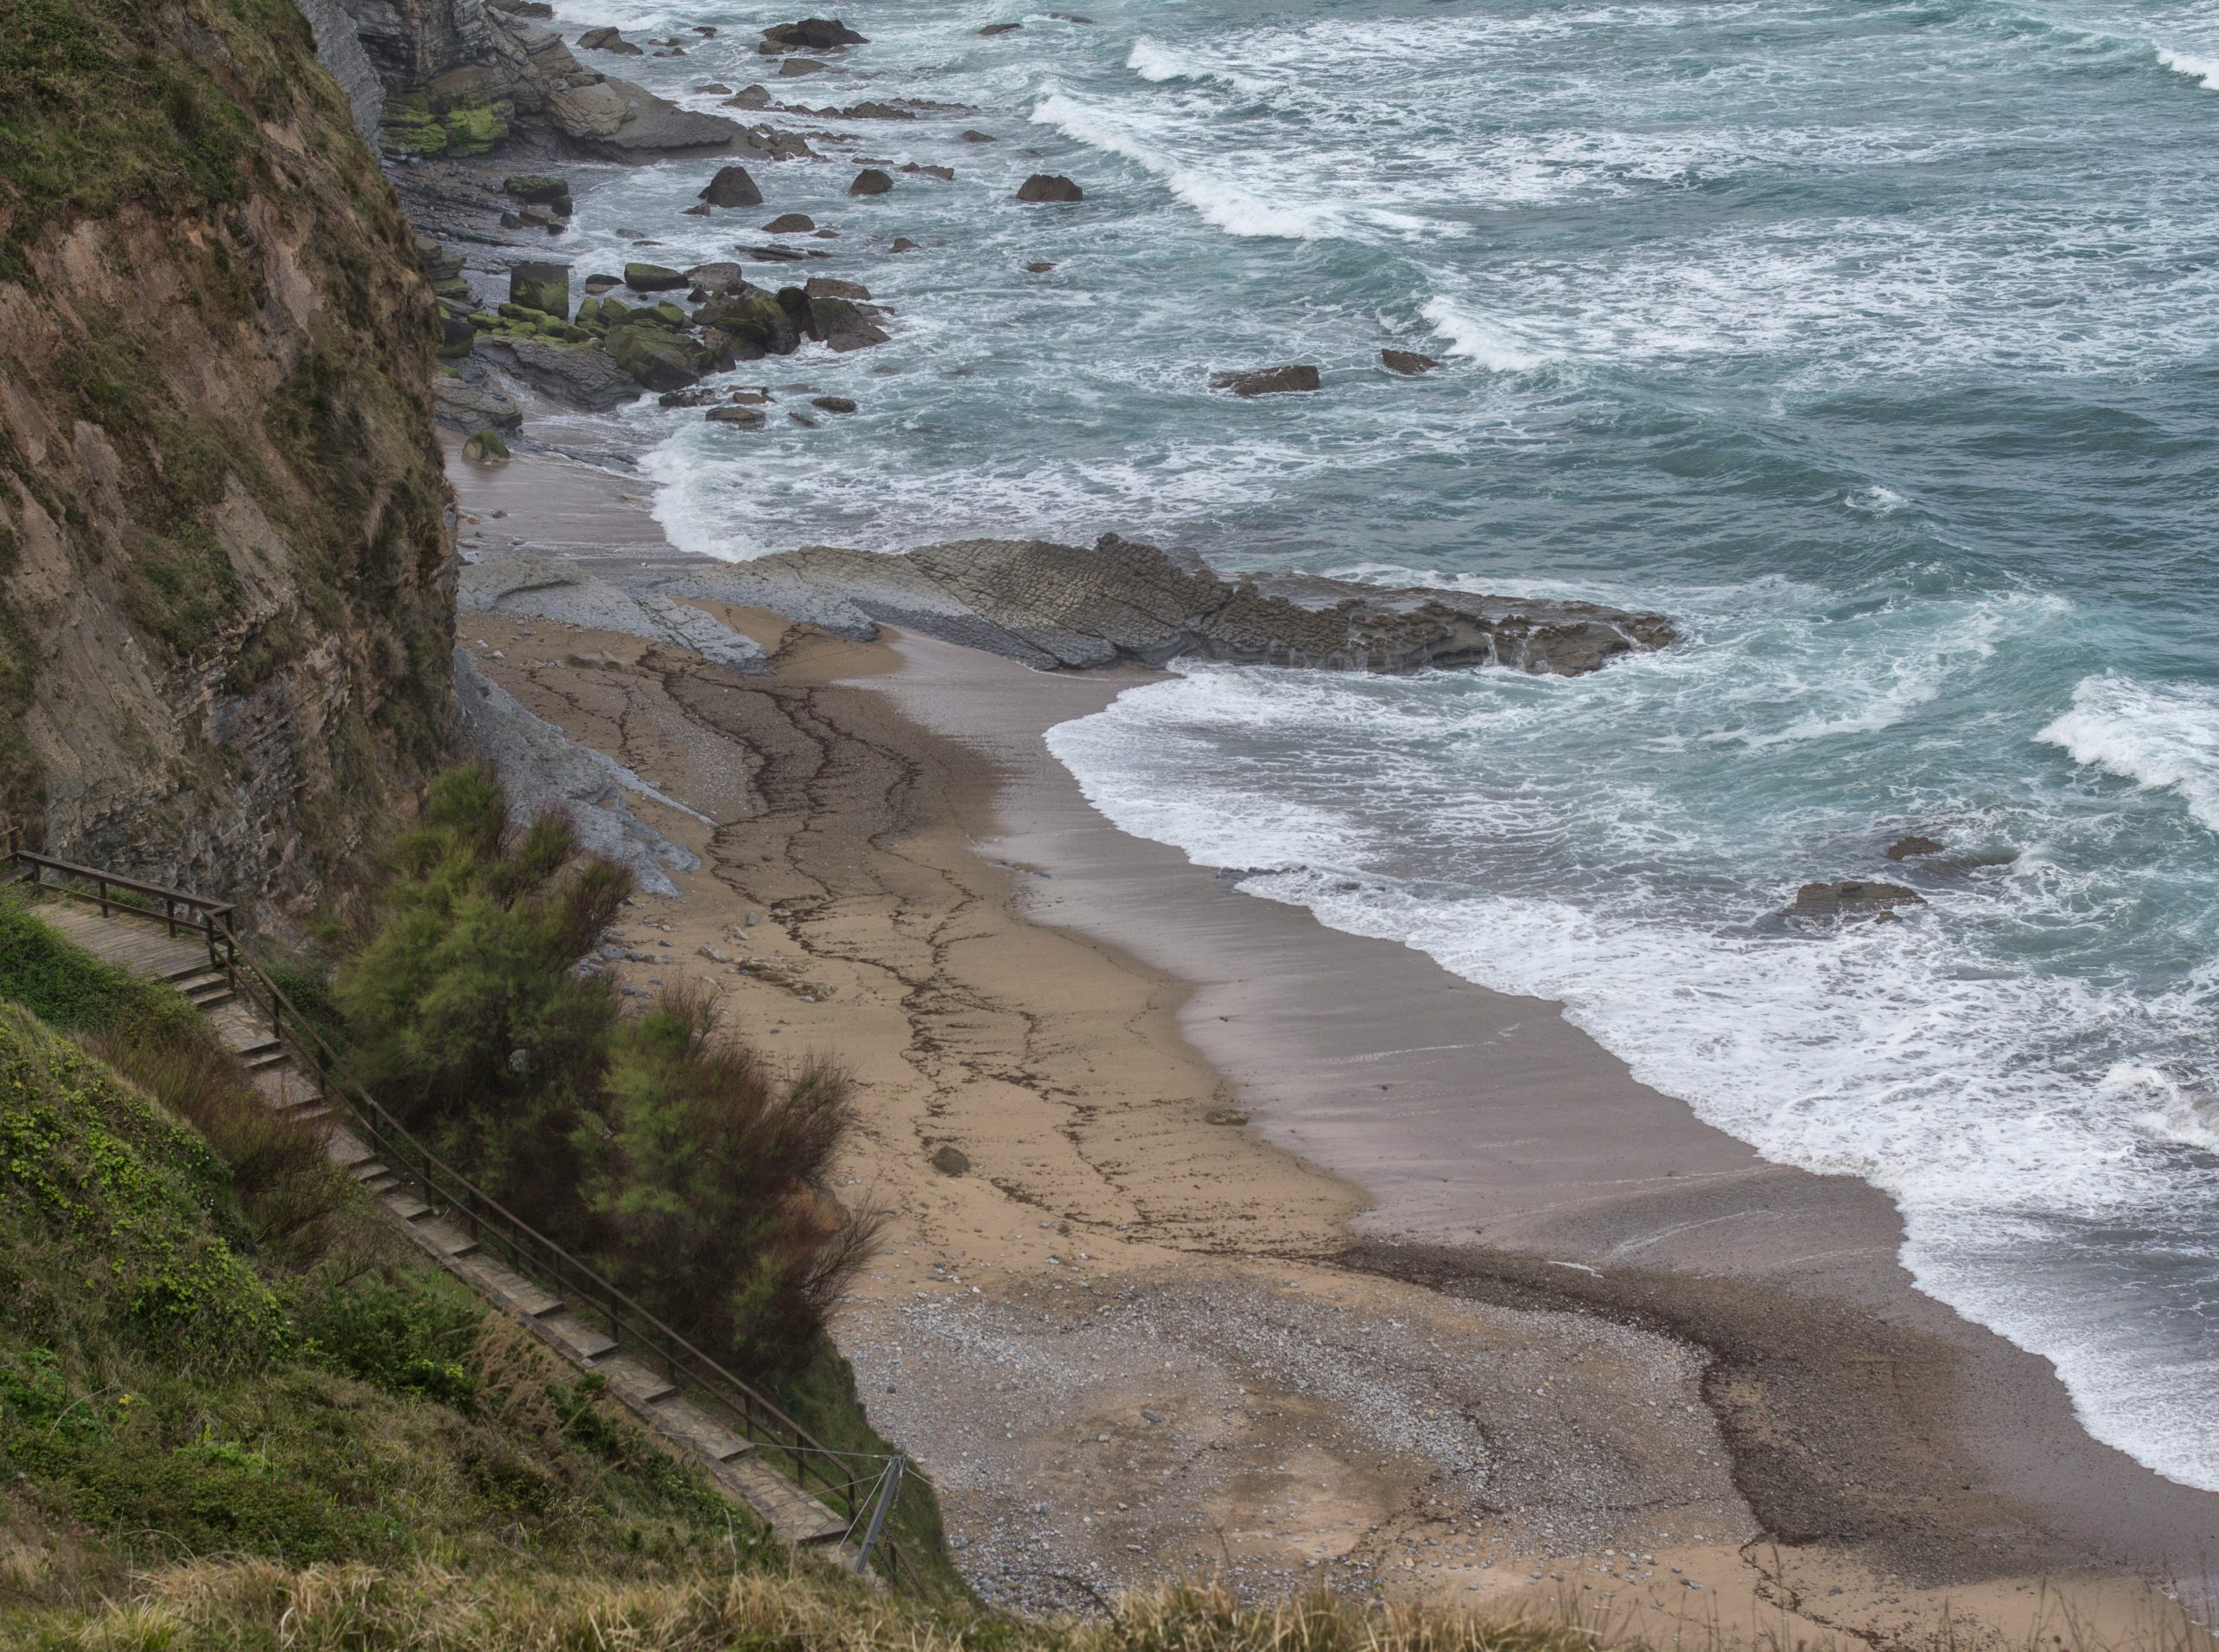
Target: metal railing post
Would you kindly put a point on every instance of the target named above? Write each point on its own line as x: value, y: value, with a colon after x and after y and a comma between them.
x: 891, y: 1484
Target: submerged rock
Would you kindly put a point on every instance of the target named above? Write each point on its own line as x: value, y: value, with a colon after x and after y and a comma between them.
x: 1904, y: 848
x: 1852, y: 900
x: 1266, y: 381
x: 1049, y: 187
x: 1409, y: 363
x: 745, y: 418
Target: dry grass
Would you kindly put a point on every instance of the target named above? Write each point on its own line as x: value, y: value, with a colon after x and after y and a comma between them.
x: 326, y: 1608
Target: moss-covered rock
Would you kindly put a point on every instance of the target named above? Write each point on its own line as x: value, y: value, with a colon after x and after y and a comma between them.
x: 487, y: 447
x: 653, y: 278
x: 657, y: 359
x: 754, y: 322
x: 473, y: 129
x: 542, y: 287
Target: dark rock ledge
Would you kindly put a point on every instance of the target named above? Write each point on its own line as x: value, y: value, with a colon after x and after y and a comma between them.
x: 1060, y: 605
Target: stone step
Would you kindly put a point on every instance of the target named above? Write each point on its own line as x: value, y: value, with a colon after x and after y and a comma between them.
x: 405, y: 1207
x: 688, y: 1424
x: 797, y: 1517
x: 573, y: 1336
x: 507, y: 1287
x: 442, y: 1238
x: 638, y: 1385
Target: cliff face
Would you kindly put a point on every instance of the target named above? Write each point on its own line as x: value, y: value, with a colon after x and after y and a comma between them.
x: 225, y: 580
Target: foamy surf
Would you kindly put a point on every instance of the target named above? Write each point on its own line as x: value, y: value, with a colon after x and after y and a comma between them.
x: 2204, y: 71
x: 1219, y: 201
x: 1489, y: 343
x: 2162, y: 738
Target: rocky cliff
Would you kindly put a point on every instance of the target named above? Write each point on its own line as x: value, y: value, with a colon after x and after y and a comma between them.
x: 463, y: 77
x: 226, y: 560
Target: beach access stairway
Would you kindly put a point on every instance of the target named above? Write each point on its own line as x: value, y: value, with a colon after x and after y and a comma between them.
x: 680, y: 1394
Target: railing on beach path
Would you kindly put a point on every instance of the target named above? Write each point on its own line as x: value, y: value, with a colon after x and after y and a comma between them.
x: 816, y: 1468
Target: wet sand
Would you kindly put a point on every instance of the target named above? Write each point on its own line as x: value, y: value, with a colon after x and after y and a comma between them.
x: 1355, y: 1340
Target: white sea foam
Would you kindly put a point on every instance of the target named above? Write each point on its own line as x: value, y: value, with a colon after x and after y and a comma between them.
x: 1487, y: 342
x: 2161, y: 737
x: 1153, y: 61
x: 2007, y: 1109
x: 2204, y: 71
x: 1223, y: 203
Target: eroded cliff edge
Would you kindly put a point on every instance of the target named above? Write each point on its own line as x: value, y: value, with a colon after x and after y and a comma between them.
x: 225, y: 559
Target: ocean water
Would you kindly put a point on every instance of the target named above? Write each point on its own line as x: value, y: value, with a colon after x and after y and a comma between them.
x: 1876, y: 342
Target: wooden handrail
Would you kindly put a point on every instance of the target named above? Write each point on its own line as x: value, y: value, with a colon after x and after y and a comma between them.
x: 550, y: 1264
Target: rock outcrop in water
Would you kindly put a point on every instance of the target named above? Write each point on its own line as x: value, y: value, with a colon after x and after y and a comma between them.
x: 1053, y: 605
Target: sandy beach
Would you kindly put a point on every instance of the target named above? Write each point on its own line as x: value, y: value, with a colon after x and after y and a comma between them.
x: 1218, y: 1243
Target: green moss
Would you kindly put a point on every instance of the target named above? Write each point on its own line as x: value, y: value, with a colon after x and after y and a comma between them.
x: 473, y: 130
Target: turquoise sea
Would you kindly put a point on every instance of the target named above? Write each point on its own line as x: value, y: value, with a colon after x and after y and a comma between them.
x: 1878, y: 343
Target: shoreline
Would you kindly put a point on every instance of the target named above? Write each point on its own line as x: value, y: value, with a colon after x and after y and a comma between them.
x: 1235, y: 998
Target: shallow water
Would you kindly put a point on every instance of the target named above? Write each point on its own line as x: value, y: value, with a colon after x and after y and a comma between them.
x: 1873, y: 343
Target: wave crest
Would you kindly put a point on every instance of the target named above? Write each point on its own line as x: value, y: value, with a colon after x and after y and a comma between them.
x: 1224, y: 204
x: 2165, y: 737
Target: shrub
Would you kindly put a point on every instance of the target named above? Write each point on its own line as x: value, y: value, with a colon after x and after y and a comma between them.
x: 703, y: 1175
x: 466, y: 1019
x: 408, y: 1335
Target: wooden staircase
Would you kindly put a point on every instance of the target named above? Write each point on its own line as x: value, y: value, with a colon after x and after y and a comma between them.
x: 735, y: 1462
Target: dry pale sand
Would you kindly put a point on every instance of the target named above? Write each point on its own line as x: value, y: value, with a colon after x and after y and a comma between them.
x: 1129, y: 1342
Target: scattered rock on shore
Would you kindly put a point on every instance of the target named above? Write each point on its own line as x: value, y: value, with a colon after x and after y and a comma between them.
x: 655, y: 357
x: 795, y: 67
x: 1850, y: 900
x: 465, y: 407
x: 975, y: 136
x: 951, y: 1161
x: 577, y: 375
x: 833, y: 404
x: 745, y: 418
x: 831, y: 287
x: 542, y: 287
x: 1409, y: 363
x: 653, y: 278
x: 790, y: 224
x: 714, y: 280
x: 871, y: 181
x: 1266, y: 381
x: 1049, y: 187
x: 732, y: 188
x: 749, y: 97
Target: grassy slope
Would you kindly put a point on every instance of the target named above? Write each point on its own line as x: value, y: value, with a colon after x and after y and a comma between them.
x: 171, y: 1388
